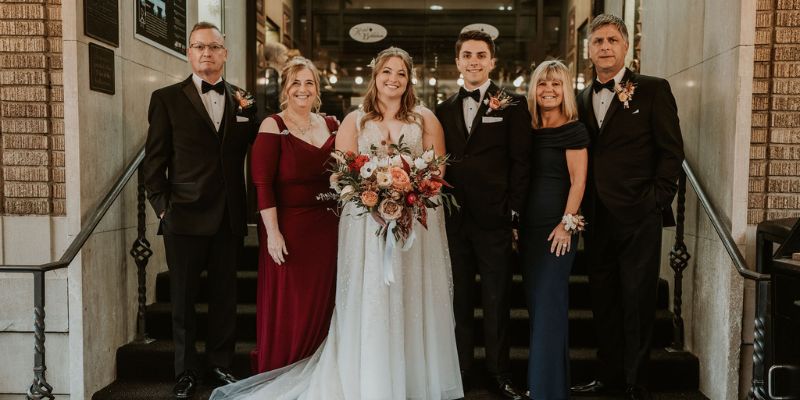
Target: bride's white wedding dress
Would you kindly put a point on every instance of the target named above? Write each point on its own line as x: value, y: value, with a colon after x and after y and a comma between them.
x: 385, y: 342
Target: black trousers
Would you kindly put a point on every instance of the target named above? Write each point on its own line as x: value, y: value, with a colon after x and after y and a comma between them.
x: 187, y: 257
x: 487, y: 252
x: 623, y: 277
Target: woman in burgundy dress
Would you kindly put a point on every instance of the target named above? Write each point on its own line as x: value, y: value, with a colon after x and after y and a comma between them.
x: 297, y: 231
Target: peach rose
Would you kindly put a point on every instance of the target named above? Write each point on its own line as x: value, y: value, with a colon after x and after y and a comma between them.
x: 369, y: 198
x: 494, y: 103
x: 390, y: 210
x: 400, y: 179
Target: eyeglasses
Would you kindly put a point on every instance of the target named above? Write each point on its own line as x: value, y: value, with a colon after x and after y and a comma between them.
x: 201, y: 47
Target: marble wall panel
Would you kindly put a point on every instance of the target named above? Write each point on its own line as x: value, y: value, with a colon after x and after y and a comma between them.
x: 16, y: 370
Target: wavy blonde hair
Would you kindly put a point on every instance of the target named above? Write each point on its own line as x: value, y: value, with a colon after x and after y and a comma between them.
x: 371, y: 106
x: 552, y: 70
x: 290, y: 71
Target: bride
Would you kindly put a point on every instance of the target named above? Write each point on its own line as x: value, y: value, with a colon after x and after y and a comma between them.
x: 385, y: 342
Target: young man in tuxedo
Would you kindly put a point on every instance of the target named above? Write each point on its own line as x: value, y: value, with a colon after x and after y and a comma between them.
x: 635, y: 158
x: 200, y: 130
x: 489, y: 144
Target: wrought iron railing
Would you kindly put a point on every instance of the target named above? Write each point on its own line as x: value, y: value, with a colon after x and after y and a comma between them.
x: 679, y: 260
x: 140, y: 251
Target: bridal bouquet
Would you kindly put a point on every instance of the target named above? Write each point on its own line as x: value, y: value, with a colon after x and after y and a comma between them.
x: 393, y: 186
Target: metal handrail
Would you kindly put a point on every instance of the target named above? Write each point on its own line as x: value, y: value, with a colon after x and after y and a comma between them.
x: 86, y: 231
x: 727, y: 239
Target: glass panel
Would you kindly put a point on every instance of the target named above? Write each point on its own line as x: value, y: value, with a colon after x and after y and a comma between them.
x: 210, y: 11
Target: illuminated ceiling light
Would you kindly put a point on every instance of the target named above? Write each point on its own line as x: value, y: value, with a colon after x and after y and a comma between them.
x: 460, y: 81
x: 367, y: 7
x: 414, y: 81
x: 359, y: 80
x: 518, y: 82
x: 436, y: 7
x: 432, y: 81
x: 509, y: 8
x: 333, y: 79
x: 501, y: 8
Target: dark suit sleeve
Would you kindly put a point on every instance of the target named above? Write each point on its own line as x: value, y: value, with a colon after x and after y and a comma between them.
x: 667, y: 135
x: 158, y: 151
x: 519, y: 151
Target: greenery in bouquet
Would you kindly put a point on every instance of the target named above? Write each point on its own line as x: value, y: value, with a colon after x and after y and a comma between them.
x: 395, y: 187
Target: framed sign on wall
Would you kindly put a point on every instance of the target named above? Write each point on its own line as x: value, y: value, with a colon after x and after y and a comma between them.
x: 162, y: 24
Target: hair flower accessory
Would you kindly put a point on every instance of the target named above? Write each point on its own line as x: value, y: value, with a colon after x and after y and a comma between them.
x: 625, y: 92
x: 245, y: 100
x: 499, y: 101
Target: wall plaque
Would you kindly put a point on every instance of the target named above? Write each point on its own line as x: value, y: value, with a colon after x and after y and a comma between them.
x: 101, y: 20
x: 162, y: 24
x: 101, y: 69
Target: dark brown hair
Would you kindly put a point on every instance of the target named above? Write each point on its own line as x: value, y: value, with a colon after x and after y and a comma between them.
x: 475, y: 35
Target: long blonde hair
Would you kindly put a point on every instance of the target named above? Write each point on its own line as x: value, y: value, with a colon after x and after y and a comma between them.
x: 290, y: 71
x: 371, y: 107
x: 552, y: 70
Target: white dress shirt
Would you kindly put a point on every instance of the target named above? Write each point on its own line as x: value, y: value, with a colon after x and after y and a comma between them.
x: 602, y: 99
x: 213, y: 101
x: 471, y: 106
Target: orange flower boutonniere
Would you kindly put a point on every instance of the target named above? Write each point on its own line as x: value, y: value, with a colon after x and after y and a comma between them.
x: 244, y: 100
x: 499, y: 101
x: 625, y: 92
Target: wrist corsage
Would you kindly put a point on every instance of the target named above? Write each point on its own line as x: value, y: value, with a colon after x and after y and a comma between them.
x: 573, y: 223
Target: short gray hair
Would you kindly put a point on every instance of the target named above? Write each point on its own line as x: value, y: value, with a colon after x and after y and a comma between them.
x: 609, y: 19
x: 205, y: 25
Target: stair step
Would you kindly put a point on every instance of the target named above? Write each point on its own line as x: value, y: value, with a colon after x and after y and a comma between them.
x: 667, y: 370
x: 581, y: 327
x: 247, y: 287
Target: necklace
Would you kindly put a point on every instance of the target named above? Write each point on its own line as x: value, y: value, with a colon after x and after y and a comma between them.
x: 302, y: 131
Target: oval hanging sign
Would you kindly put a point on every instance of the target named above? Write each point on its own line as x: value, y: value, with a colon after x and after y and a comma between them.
x: 368, y: 32
x: 489, y: 29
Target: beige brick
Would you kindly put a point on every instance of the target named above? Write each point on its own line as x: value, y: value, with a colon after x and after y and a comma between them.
x: 783, y: 184
x: 782, y: 168
x: 756, y: 200
x: 764, y: 19
x: 782, y: 201
x: 756, y: 185
x: 57, y: 78
x: 25, y: 157
x: 59, y: 207
x: 785, y: 119
x: 778, y: 214
x: 22, y: 44
x: 25, y: 110
x: 760, y: 120
x: 788, y: 18
x: 54, y: 13
x: 25, y: 142
x: 23, y: 93
x: 763, y: 36
x: 758, y: 152
x: 54, y: 44
x: 53, y: 28
x: 27, y: 206
x: 761, y: 70
x: 762, y: 5
x: 758, y: 135
x: 787, y: 35
x: 786, y: 53
x: 23, y: 77
x: 58, y: 174
x: 57, y: 126
x: 785, y: 135
x: 784, y: 152
x: 21, y: 11
x: 57, y: 93
x: 755, y: 216
x: 786, y: 69
x: 758, y: 167
x: 26, y: 189
x: 59, y: 191
x: 788, y: 5
x: 762, y: 53
x: 56, y: 61
x: 57, y: 110
x: 23, y: 61
x: 786, y: 86
x: 760, y: 103
x: 28, y: 125
x: 27, y: 174
x: 58, y: 158
x: 57, y: 142
x: 760, y: 86
x: 786, y: 103
x: 21, y: 28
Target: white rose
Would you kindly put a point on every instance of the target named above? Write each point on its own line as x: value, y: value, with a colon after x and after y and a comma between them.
x: 428, y: 155
x: 368, y: 169
x: 383, y: 162
x: 420, y: 163
x: 384, y: 179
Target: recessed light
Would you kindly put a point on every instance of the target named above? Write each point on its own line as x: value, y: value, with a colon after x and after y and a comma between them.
x: 436, y: 7
x: 359, y: 80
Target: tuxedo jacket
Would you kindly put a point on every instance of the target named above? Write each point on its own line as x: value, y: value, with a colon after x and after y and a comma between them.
x: 489, y: 166
x: 635, y: 157
x: 191, y: 171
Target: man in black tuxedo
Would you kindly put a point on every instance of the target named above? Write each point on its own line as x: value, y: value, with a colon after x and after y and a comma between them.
x: 489, y: 144
x: 635, y: 158
x: 200, y: 130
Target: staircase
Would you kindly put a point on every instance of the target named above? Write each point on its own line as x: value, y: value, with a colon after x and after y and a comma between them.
x: 145, y: 371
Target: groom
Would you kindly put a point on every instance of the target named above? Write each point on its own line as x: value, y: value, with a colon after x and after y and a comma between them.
x: 200, y: 130
x: 635, y: 160
x: 487, y: 133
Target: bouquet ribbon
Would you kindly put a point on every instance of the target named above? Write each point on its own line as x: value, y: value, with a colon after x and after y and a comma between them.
x: 388, y: 252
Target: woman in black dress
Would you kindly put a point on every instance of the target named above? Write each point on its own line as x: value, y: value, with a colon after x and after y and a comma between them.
x: 558, y: 179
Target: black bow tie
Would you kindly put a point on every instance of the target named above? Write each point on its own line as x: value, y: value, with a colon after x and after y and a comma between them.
x: 219, y: 87
x: 475, y: 94
x: 597, y: 87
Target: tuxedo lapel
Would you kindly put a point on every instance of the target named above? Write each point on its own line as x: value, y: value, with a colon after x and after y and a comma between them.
x: 458, y: 114
x: 230, y: 109
x: 615, y: 103
x: 586, y: 99
x: 191, y: 92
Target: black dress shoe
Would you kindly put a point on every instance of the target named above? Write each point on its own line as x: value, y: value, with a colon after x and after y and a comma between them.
x: 223, y: 376
x: 593, y: 387
x: 504, y: 387
x: 636, y: 393
x: 185, y: 386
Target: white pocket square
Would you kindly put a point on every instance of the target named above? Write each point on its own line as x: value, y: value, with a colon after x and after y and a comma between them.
x: 240, y: 118
x: 489, y: 120
x: 635, y: 112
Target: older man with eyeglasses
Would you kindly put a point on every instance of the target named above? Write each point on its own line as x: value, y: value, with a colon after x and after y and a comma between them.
x: 199, y: 133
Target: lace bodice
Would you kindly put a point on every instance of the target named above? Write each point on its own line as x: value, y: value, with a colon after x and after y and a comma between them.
x: 372, y: 135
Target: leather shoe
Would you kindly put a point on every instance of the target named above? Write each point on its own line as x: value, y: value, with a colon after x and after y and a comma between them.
x: 504, y: 387
x: 636, y: 393
x: 184, y: 388
x: 593, y: 387
x: 223, y: 376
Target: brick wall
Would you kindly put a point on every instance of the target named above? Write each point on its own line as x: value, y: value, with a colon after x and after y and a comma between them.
x: 31, y: 108
x: 775, y: 141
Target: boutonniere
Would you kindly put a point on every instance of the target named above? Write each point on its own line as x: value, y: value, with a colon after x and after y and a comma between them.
x: 244, y: 99
x: 499, y: 101
x: 625, y: 92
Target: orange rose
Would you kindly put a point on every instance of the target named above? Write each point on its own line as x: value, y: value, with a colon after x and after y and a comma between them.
x: 400, y: 179
x: 369, y: 198
x: 494, y: 103
x: 390, y: 210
